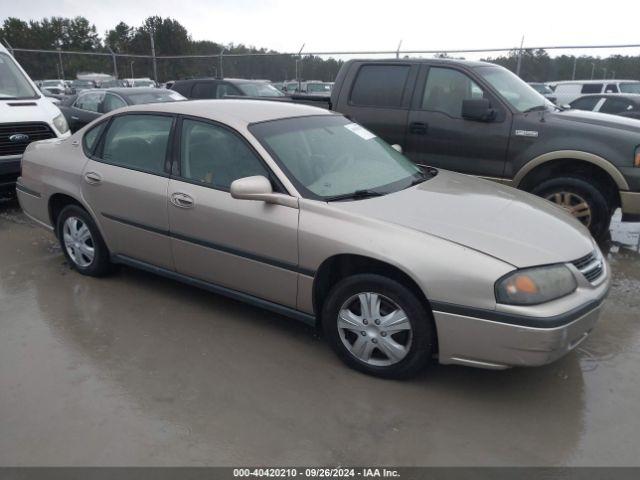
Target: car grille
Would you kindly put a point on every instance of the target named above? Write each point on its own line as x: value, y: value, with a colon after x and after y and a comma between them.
x: 591, y: 266
x: 34, y: 130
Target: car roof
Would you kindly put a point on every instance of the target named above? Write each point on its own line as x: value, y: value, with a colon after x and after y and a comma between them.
x: 410, y: 61
x: 582, y: 82
x: 235, y: 112
x: 213, y: 79
x: 635, y: 97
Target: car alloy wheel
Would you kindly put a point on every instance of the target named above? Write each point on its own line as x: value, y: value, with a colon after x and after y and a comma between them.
x: 78, y: 242
x: 574, y: 204
x: 374, y: 329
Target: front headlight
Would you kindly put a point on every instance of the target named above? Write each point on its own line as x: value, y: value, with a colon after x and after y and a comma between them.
x: 61, y: 124
x: 532, y: 286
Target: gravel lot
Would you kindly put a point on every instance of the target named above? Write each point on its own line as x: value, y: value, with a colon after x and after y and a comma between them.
x: 138, y: 370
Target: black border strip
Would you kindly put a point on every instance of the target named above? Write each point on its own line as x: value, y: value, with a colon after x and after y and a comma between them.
x: 28, y: 191
x: 212, y: 287
x: 214, y: 246
x: 516, y: 319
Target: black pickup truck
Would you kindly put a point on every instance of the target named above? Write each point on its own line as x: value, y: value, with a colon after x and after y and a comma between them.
x: 481, y: 119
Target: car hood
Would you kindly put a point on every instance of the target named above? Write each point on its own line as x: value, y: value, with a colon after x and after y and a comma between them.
x: 599, y: 119
x: 511, y: 225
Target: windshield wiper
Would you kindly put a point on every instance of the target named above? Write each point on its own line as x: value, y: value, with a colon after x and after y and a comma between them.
x: 535, y: 109
x: 354, y: 195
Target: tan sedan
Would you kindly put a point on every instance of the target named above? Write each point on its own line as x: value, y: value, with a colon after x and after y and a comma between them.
x: 303, y: 212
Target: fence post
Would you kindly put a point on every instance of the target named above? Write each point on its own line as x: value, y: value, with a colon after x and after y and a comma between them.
x: 153, y: 54
x: 575, y: 63
x: 220, y: 61
x: 60, y: 59
x: 297, y: 72
x: 398, y: 49
x: 115, y: 65
x: 520, y: 57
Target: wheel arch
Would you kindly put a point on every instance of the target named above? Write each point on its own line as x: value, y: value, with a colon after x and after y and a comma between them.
x: 57, y: 202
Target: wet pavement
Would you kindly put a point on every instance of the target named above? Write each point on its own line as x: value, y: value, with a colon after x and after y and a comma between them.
x: 138, y: 370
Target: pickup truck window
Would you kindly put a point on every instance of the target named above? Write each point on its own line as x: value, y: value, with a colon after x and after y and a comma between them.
x: 591, y: 88
x: 380, y: 85
x: 513, y: 89
x: 326, y: 156
x: 445, y: 90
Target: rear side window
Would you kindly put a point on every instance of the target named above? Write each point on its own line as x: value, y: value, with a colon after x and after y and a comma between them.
x: 592, y: 88
x: 585, y: 103
x: 89, y: 101
x: 138, y: 142
x: 204, y: 90
x: 380, y: 85
x: 616, y: 105
x: 611, y: 88
x: 446, y: 89
x: 91, y: 137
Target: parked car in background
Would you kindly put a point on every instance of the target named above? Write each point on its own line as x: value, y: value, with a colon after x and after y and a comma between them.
x: 25, y: 116
x: 78, y: 86
x: 317, y: 88
x: 115, y: 83
x: 544, y: 90
x: 568, y: 91
x: 478, y: 118
x: 211, y: 88
x: 615, y: 104
x: 277, y: 85
x: 292, y: 86
x: 58, y: 87
x: 140, y: 82
x: 308, y: 214
x: 84, y: 108
x: 168, y: 84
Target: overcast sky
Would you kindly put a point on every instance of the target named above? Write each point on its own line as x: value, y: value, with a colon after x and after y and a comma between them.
x: 329, y: 25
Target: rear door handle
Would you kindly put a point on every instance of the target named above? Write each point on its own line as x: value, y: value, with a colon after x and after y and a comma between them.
x: 93, y: 178
x: 419, y: 128
x: 182, y: 200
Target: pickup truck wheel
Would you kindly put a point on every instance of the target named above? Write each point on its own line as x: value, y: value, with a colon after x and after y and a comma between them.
x: 378, y: 326
x: 82, y: 243
x: 585, y: 200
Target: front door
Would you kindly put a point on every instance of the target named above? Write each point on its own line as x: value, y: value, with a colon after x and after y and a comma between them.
x: 244, y: 245
x: 125, y: 184
x: 437, y: 134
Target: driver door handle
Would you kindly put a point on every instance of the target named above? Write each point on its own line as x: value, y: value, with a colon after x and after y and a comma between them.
x: 182, y: 200
x: 419, y: 128
x: 93, y: 178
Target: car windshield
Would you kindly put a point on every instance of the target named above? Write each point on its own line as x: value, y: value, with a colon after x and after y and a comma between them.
x: 112, y: 84
x: 82, y: 84
x: 154, y: 97
x: 630, y: 87
x: 329, y: 156
x: 513, y: 89
x: 144, y: 83
x: 13, y: 83
x: 257, y: 89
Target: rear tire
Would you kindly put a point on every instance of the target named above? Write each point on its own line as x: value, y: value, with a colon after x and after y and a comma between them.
x: 585, y: 200
x: 82, y: 243
x: 378, y: 326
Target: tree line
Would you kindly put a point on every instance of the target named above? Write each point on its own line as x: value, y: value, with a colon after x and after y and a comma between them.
x: 172, y: 38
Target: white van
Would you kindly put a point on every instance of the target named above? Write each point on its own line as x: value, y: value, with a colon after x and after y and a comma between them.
x: 567, y: 91
x: 25, y: 116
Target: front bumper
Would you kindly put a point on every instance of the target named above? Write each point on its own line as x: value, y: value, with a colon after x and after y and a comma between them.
x: 483, y: 343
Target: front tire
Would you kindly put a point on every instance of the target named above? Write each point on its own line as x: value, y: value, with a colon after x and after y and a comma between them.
x: 583, y: 199
x: 378, y: 326
x: 82, y: 243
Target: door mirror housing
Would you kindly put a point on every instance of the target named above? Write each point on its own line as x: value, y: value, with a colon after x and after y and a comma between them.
x: 259, y: 188
x: 478, y: 109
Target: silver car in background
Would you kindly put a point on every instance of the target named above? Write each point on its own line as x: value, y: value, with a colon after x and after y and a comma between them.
x: 299, y: 210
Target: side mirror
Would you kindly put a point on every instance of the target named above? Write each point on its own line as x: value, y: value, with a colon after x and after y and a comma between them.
x: 397, y: 147
x: 478, y: 109
x: 259, y: 188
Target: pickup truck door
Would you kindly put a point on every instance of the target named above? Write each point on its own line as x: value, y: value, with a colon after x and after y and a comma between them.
x: 437, y: 134
x: 379, y: 98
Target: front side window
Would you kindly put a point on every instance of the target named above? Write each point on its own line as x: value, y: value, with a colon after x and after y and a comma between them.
x: 380, y: 85
x: 89, y: 101
x: 112, y: 102
x: 611, y: 88
x: 13, y: 84
x: 592, y: 88
x: 616, y: 105
x: 215, y: 156
x: 446, y: 89
x: 327, y: 156
x: 225, y: 89
x: 138, y: 142
x: 204, y: 90
x: 513, y: 89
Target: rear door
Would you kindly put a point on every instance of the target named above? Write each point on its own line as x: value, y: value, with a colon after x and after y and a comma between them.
x: 247, y: 246
x: 125, y: 182
x: 379, y: 98
x: 439, y: 136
